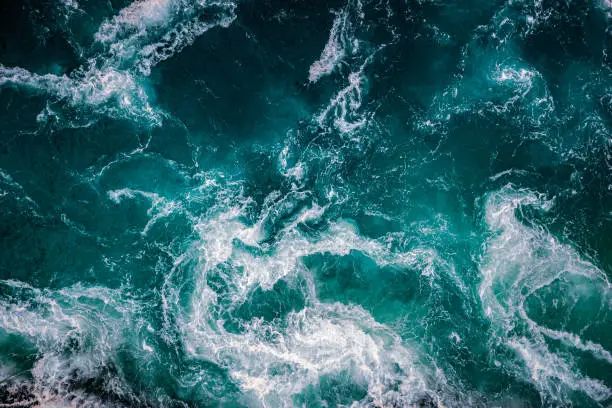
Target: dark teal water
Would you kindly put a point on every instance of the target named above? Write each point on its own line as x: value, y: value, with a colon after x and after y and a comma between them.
x: 302, y: 203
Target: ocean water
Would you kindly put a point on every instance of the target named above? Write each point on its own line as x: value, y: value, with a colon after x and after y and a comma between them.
x: 279, y: 203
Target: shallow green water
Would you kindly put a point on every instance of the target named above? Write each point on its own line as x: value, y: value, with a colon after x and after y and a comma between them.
x: 304, y: 203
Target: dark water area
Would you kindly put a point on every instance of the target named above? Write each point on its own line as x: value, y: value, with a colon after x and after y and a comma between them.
x: 305, y: 203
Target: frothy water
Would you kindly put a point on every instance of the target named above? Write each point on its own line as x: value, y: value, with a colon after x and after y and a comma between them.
x: 277, y: 204
x: 111, y: 82
x: 522, y: 263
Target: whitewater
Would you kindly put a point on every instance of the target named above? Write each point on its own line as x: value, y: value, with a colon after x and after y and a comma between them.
x: 351, y: 203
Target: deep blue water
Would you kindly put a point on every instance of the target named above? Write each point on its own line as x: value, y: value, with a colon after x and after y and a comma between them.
x: 219, y: 203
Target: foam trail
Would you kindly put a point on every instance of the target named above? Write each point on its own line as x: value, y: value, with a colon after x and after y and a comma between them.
x: 344, y: 106
x: 176, y: 40
x: 150, y: 31
x: 544, y: 366
x: 108, y: 92
x: 342, y: 109
x: 272, y: 361
x: 136, y: 19
x: 522, y: 261
x: 333, y: 52
x: 219, y: 234
x: 160, y: 208
x: 573, y: 340
x: 139, y: 37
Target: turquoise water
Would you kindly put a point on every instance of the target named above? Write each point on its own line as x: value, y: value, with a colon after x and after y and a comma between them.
x: 304, y: 203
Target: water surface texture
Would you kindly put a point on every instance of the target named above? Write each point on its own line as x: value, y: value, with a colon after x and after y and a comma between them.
x: 277, y: 203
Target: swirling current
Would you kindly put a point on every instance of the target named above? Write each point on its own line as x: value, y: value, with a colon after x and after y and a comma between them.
x: 304, y: 203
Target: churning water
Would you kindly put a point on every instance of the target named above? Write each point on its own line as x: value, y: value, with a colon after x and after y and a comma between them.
x: 276, y: 203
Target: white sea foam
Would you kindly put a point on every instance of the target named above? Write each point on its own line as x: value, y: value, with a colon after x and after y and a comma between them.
x: 344, y: 106
x: 136, y: 19
x: 160, y: 208
x: 510, y: 84
x: 76, y: 331
x: 508, y: 87
x: 70, y: 4
x: 519, y: 262
x: 274, y: 360
x: 270, y: 361
x: 108, y: 92
x: 546, y: 368
x: 521, y: 76
x: 345, y: 112
x: 272, y: 263
x: 295, y: 171
x: 529, y: 89
x: 139, y: 37
x: 67, y: 9
x: 606, y: 6
x: 334, y: 49
x: 149, y: 31
x: 52, y: 318
x: 175, y: 40
x: 10, y: 189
